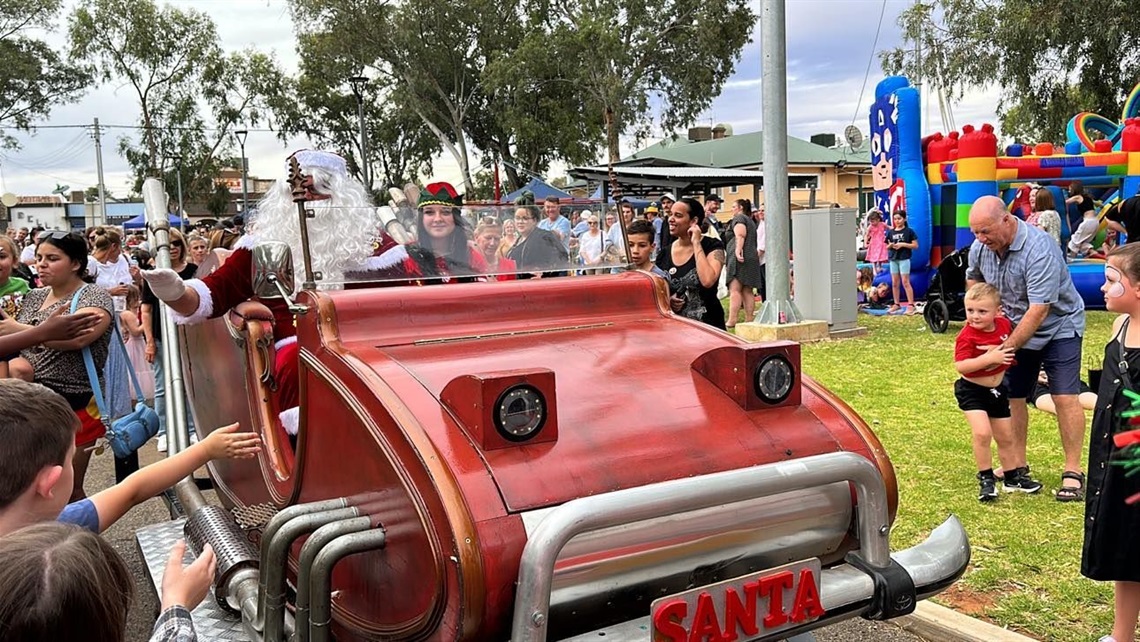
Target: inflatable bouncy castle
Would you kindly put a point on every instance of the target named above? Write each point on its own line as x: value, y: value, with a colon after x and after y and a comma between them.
x: 936, y: 179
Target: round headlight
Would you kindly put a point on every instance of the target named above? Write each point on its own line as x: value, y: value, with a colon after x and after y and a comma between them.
x: 774, y: 379
x: 520, y: 412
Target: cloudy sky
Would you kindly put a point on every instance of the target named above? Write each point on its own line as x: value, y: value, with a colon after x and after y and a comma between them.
x: 829, y: 45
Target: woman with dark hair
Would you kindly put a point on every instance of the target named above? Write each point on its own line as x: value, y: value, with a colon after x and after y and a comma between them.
x: 535, y: 248
x: 742, y: 271
x: 441, y: 252
x: 61, y: 260
x: 693, y: 262
x: 442, y: 233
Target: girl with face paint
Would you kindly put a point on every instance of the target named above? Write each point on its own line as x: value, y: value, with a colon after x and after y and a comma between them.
x: 1111, y: 511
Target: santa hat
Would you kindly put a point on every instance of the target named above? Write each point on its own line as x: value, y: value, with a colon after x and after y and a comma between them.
x: 440, y: 194
x: 327, y: 161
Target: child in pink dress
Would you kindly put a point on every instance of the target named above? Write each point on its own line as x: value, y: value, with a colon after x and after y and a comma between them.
x: 875, y: 240
x: 131, y: 331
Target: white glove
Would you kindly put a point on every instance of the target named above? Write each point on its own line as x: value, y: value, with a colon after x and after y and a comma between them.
x: 165, y: 283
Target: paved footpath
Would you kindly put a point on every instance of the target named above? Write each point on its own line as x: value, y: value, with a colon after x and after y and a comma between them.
x: 145, y: 607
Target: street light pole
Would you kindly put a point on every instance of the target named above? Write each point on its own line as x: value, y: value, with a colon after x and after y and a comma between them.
x: 358, y: 84
x: 181, y: 212
x: 241, y: 135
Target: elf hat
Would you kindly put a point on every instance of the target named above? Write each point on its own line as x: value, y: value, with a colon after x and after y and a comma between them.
x: 440, y: 194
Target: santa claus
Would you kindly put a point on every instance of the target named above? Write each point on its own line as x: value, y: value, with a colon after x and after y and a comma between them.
x: 340, y: 233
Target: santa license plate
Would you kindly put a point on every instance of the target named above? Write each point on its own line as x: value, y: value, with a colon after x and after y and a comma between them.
x: 745, y: 608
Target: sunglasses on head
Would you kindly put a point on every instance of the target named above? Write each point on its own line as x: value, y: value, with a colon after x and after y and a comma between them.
x: 57, y: 235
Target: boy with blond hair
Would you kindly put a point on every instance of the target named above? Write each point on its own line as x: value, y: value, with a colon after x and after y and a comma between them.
x: 981, y: 361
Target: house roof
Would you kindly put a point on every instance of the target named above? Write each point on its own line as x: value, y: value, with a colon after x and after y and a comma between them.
x: 638, y: 179
x: 740, y: 150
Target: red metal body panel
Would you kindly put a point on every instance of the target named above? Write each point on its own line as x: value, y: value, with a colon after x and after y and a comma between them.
x: 631, y: 411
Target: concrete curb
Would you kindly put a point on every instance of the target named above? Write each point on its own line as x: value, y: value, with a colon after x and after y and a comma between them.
x: 940, y: 624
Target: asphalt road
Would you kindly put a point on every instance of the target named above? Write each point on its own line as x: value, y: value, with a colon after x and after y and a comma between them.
x: 145, y: 607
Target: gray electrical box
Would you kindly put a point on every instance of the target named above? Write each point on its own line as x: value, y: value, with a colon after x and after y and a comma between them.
x: 823, y: 246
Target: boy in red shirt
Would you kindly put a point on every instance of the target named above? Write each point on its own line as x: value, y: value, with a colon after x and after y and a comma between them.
x: 982, y: 361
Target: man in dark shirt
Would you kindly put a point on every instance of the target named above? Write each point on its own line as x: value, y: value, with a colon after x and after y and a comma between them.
x: 1124, y: 217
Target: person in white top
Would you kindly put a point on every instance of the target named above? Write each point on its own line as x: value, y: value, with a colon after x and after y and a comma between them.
x: 590, y: 244
x: 112, y: 270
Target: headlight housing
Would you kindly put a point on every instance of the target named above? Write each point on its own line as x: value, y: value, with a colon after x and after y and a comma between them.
x: 520, y: 412
x: 774, y: 379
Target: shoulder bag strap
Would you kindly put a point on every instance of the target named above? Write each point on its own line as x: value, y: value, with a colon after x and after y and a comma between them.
x: 117, y: 337
x: 89, y: 362
x: 1123, y: 365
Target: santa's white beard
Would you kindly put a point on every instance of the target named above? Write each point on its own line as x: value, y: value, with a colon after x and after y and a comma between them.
x: 340, y: 234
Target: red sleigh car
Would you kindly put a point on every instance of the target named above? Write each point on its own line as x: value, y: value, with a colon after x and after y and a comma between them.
x: 539, y: 459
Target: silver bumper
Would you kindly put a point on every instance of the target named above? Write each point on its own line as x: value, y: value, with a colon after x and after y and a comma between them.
x: 847, y: 589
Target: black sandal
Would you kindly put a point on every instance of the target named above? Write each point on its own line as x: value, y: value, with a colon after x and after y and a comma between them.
x: 1071, y: 494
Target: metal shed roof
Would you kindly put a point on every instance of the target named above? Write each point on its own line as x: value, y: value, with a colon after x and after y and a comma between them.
x: 681, y: 179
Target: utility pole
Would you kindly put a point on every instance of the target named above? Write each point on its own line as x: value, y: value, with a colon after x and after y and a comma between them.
x: 779, y: 308
x: 99, y: 169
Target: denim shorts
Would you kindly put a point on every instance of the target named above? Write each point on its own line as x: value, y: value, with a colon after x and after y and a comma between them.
x: 1061, y: 359
x: 900, y: 267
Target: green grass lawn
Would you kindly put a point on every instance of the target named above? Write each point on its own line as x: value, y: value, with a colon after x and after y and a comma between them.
x: 1026, y: 549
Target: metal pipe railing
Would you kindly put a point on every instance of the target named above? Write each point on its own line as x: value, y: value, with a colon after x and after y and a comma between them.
x: 536, y: 569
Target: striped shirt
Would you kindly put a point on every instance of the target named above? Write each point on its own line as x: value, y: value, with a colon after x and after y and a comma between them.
x: 1032, y: 271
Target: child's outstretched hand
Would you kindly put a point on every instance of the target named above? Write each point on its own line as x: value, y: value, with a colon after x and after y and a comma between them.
x: 187, y: 587
x: 227, y: 443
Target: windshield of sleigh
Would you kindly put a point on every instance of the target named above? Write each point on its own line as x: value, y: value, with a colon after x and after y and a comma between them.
x: 473, y: 243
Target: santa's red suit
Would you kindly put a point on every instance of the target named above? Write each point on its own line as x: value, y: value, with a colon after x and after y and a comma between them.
x: 231, y: 284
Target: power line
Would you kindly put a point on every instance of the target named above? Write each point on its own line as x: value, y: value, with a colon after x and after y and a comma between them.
x: 870, y: 59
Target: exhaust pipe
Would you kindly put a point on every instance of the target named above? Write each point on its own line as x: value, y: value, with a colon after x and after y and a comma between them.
x: 320, y: 616
x: 272, y: 612
x: 320, y: 538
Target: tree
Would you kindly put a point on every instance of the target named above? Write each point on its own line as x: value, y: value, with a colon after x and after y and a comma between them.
x: 190, y: 93
x: 619, y: 54
x: 36, y: 78
x: 91, y: 194
x: 437, y: 59
x: 219, y: 201
x: 1052, y: 60
x: 322, y: 106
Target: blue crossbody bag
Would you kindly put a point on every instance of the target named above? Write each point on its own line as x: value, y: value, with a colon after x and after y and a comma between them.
x: 128, y: 433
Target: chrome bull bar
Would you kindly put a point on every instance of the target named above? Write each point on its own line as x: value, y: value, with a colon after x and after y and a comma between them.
x: 846, y: 590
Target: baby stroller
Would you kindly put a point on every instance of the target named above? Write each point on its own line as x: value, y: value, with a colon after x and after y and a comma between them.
x: 945, y: 298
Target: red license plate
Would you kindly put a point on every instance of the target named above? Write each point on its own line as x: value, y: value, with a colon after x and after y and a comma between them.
x: 741, y: 609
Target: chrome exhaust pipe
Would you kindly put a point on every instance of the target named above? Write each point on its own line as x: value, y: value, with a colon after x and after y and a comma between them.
x: 157, y: 223
x: 277, y: 557
x: 277, y: 571
x: 320, y: 538
x: 320, y: 616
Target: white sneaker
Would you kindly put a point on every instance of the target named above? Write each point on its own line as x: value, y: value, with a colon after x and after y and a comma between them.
x: 162, y: 443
